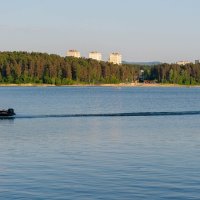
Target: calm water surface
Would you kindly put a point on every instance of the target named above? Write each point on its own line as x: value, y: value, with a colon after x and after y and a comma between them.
x: 154, y: 157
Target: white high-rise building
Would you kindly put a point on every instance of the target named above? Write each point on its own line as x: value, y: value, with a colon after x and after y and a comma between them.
x: 73, y: 53
x: 95, y: 55
x: 115, y: 58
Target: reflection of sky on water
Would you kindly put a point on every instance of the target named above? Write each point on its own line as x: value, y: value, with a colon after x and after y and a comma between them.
x: 100, y: 157
x: 6, y: 121
x: 70, y: 100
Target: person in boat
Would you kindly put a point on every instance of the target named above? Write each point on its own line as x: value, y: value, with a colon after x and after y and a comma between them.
x: 9, y: 112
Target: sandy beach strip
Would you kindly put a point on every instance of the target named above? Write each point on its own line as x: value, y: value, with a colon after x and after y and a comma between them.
x: 99, y: 85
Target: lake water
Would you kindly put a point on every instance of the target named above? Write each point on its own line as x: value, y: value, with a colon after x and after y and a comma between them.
x: 137, y: 157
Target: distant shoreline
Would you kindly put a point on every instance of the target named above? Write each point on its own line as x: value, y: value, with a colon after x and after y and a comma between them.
x: 100, y: 85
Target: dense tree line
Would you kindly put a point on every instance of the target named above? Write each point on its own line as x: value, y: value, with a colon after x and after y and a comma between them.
x: 175, y: 74
x: 23, y: 67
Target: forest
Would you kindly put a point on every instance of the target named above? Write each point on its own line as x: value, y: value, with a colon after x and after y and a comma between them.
x: 23, y: 67
x: 42, y: 68
x: 174, y: 74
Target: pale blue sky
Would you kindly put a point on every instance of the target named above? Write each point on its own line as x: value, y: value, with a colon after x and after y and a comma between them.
x: 142, y: 30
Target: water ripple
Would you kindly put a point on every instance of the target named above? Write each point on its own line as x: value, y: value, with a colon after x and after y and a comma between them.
x: 131, y: 114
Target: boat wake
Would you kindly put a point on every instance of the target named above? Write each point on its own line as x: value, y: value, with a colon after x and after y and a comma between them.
x: 131, y: 114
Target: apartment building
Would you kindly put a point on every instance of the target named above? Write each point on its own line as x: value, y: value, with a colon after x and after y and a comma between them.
x: 115, y: 58
x: 73, y: 53
x: 95, y: 55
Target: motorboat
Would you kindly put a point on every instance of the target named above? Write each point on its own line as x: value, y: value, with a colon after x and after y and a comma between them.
x: 10, y: 113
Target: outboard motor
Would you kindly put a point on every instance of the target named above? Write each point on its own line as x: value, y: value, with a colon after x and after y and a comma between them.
x: 11, y: 111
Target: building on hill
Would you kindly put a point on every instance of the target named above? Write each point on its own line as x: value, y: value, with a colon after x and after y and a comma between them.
x: 183, y: 62
x: 115, y: 58
x: 73, y: 53
x: 95, y: 55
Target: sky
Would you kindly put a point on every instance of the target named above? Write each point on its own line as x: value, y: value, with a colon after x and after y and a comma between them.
x: 141, y: 30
